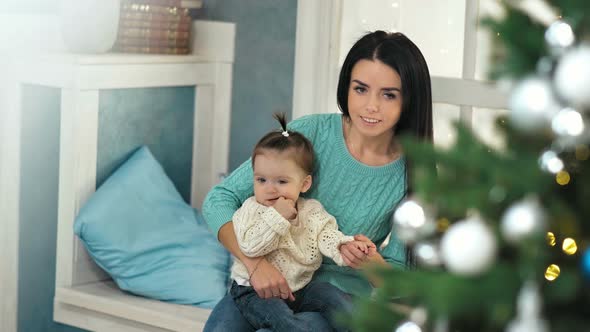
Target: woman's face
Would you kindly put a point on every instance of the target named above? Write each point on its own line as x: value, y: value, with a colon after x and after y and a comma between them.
x: 374, y: 98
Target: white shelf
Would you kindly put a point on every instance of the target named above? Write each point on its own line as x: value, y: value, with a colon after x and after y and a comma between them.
x: 212, y: 45
x: 119, y: 59
x: 82, y: 298
x: 211, y: 41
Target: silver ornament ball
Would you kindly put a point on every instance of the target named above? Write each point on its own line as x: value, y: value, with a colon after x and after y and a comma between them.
x: 570, y: 129
x: 468, y: 247
x: 572, y: 77
x: 408, y: 326
x: 528, y: 317
x: 427, y: 254
x: 533, y: 104
x: 550, y: 162
x: 568, y: 122
x: 522, y: 220
x: 411, y: 221
x: 559, y: 36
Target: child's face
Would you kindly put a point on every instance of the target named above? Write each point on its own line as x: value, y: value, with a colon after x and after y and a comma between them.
x: 276, y: 175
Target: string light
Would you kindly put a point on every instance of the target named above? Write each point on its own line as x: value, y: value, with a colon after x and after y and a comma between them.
x: 552, y: 272
x: 569, y: 246
x: 550, y: 239
x: 562, y: 178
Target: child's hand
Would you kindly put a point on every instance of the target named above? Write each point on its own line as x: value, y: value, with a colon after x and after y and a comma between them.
x: 286, y: 208
x: 362, y: 246
x: 358, y: 252
x: 371, y: 247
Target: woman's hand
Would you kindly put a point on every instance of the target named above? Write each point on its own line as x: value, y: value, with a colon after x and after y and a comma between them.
x: 353, y: 254
x: 355, y: 257
x: 371, y: 247
x: 268, y: 282
x: 373, y: 256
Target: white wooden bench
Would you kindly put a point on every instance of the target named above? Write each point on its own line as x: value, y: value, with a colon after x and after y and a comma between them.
x: 85, y: 296
x: 101, y: 306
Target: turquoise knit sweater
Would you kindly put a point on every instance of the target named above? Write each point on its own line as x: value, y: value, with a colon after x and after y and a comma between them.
x: 361, y: 198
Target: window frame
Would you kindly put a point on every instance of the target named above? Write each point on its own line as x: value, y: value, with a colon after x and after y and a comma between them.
x: 317, y: 68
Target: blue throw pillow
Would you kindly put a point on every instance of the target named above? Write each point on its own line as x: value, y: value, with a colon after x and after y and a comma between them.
x: 140, y: 231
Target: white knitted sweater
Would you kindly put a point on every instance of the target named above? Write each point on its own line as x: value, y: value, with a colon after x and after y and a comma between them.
x: 295, y: 250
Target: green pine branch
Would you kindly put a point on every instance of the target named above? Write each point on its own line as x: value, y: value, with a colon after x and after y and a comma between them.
x: 471, y: 175
x: 516, y: 50
x: 487, y: 301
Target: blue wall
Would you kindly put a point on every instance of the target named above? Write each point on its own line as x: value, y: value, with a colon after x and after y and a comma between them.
x: 161, y: 118
x: 263, y: 68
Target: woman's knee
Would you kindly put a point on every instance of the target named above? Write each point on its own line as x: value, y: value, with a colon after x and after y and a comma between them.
x: 330, y: 295
x: 315, y: 320
x: 226, y: 317
x: 327, y: 289
x: 322, y: 286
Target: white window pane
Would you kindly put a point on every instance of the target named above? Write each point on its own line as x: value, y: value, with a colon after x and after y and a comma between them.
x: 438, y: 31
x: 484, y: 127
x: 485, y: 38
x: 444, y: 118
x: 437, y: 27
x: 361, y: 16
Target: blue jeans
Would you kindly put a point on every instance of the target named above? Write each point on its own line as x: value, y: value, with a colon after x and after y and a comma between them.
x: 314, y: 298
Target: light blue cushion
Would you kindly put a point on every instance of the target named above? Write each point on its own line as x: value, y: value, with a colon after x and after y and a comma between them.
x: 140, y: 231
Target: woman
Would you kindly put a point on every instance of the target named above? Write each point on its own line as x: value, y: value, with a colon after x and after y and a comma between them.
x: 360, y: 173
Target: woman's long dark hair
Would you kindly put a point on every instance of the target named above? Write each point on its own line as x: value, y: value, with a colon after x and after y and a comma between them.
x: 401, y: 54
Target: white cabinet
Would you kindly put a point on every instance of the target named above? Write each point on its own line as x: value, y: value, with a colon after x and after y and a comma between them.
x: 84, y: 296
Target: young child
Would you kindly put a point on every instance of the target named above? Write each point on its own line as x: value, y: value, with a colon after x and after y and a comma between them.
x: 291, y: 232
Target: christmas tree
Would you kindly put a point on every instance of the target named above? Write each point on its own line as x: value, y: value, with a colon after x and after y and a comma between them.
x: 502, y: 237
